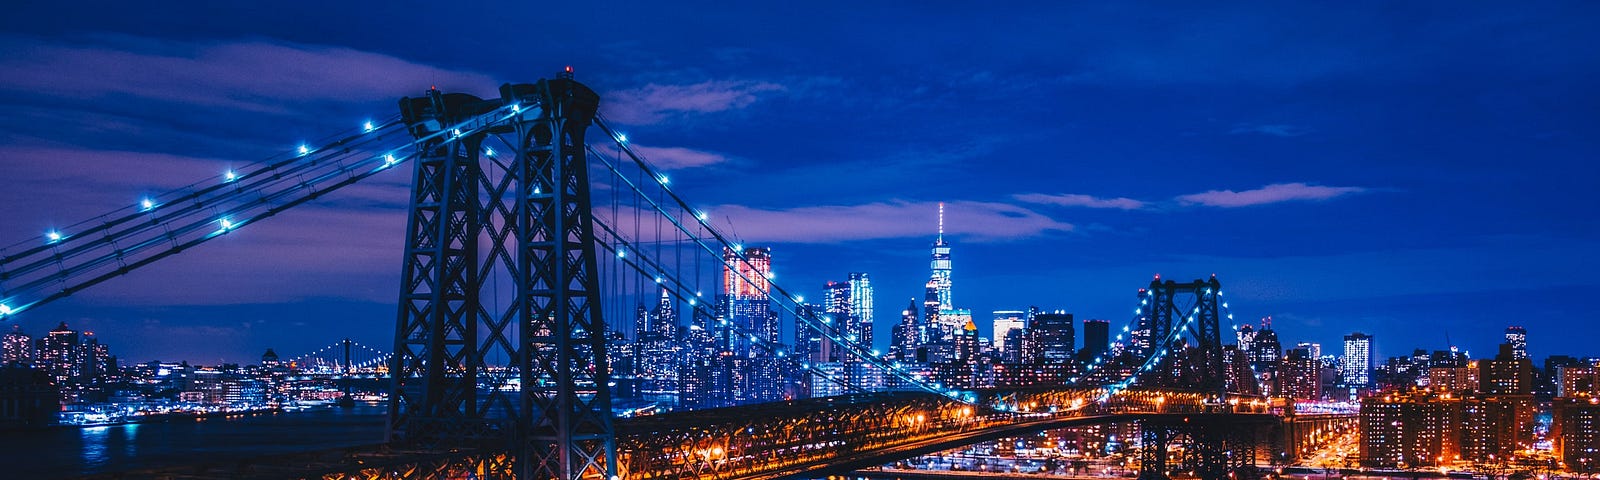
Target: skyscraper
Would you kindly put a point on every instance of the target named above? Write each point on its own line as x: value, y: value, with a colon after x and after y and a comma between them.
x: 16, y: 348
x: 752, y: 374
x: 747, y: 274
x: 60, y: 355
x: 1004, y: 322
x: 657, y: 347
x: 940, y: 265
x: 1247, y: 337
x: 1518, y: 338
x: 1299, y: 376
x: 850, y: 305
x: 1265, y: 353
x: 1356, y: 365
x: 907, y: 335
x: 1096, y: 338
x: 861, y: 304
x: 1315, y: 349
x: 1053, y: 337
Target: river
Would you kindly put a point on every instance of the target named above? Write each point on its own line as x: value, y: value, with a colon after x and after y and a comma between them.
x: 70, y: 452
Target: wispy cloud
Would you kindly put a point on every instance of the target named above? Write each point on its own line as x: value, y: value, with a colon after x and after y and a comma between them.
x: 1275, y: 193
x: 253, y: 76
x: 974, y: 221
x: 1274, y: 129
x: 674, y: 158
x: 1078, y: 200
x: 654, y: 103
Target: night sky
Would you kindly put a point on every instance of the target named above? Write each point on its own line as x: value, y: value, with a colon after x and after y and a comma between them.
x: 1411, y: 170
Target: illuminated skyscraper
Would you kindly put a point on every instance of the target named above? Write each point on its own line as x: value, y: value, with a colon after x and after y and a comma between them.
x: 861, y: 303
x: 658, y: 348
x: 1315, y: 349
x: 60, y: 355
x: 1004, y: 322
x: 1052, y: 337
x: 941, y: 265
x: 1265, y: 353
x: 1299, y: 376
x: 16, y: 348
x: 907, y: 335
x: 747, y: 278
x: 850, y: 304
x: 1247, y: 337
x: 752, y: 372
x: 1356, y: 365
x: 1518, y: 338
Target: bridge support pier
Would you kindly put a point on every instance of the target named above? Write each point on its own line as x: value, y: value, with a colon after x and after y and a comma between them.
x: 1213, y: 449
x: 1153, y: 455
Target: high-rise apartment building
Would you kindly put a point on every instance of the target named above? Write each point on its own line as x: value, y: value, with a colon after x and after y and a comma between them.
x: 1518, y: 338
x: 1506, y: 374
x: 1576, y: 431
x: 1417, y: 429
x: 16, y: 348
x: 1300, y: 375
x: 1577, y: 382
x: 60, y: 355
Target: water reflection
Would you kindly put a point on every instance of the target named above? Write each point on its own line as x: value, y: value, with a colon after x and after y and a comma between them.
x: 130, y: 432
x: 94, y: 445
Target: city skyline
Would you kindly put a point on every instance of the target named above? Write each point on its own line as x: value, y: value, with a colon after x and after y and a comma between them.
x: 1340, y: 188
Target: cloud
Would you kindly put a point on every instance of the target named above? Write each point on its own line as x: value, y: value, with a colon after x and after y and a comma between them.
x: 674, y: 158
x: 1275, y: 193
x: 653, y: 103
x: 255, y: 75
x: 1077, y: 200
x: 1276, y: 130
x: 977, y: 221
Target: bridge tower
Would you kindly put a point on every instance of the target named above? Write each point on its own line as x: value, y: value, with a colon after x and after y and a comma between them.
x: 500, y: 341
x: 1190, y: 309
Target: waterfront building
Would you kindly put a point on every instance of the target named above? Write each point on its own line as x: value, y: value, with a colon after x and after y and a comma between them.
x: 16, y: 348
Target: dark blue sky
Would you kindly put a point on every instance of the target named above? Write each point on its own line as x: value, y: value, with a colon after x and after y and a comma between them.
x: 1408, y: 170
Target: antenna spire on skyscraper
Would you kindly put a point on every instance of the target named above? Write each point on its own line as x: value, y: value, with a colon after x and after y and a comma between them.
x: 941, y: 222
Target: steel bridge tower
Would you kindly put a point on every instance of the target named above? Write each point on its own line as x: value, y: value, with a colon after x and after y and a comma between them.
x: 1192, y: 310
x: 500, y: 341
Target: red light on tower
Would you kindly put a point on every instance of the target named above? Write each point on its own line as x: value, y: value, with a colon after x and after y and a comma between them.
x: 569, y: 68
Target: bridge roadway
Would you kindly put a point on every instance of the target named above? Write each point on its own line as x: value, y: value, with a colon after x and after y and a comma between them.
x: 813, y: 437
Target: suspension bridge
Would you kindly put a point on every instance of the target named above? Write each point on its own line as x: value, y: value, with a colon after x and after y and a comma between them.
x: 524, y: 246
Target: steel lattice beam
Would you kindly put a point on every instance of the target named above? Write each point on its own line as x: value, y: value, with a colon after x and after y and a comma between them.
x: 455, y: 350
